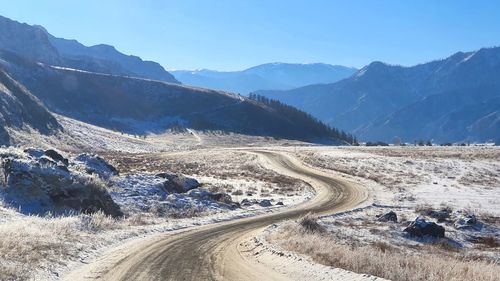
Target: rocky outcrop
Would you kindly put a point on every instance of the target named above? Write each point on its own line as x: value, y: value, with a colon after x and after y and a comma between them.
x: 467, y: 221
x: 36, y: 183
x: 94, y: 164
x: 390, y: 216
x: 265, y: 203
x: 420, y: 228
x: 178, y: 183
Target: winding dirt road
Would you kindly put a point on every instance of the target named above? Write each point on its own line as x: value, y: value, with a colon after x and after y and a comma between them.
x: 211, y: 252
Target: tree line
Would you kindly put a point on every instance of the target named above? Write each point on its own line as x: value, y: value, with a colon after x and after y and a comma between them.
x: 306, y: 121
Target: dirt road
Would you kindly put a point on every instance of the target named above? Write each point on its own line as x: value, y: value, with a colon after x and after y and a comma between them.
x: 211, y: 252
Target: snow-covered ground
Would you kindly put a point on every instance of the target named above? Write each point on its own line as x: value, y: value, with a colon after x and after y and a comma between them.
x: 406, y: 180
x: 462, y: 177
x: 456, y: 187
x: 228, y: 185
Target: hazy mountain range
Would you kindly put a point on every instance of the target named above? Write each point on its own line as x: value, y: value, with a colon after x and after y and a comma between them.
x: 449, y: 100
x: 270, y: 76
x: 101, y: 86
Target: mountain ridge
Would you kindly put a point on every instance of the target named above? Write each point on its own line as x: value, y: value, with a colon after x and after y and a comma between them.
x: 36, y: 43
x: 277, y: 75
x: 141, y: 106
x: 378, y: 90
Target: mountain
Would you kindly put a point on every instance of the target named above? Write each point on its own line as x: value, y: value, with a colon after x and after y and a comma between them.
x: 139, y: 106
x: 271, y: 76
x: 35, y: 43
x: 19, y: 109
x: 449, y: 100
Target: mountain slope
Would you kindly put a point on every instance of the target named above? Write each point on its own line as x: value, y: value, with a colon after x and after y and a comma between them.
x: 108, y: 57
x: 19, y: 110
x: 140, y: 106
x: 35, y: 43
x: 383, y: 101
x: 273, y: 76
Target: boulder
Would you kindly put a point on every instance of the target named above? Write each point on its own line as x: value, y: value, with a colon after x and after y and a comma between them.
x: 94, y: 164
x: 56, y: 156
x: 390, y: 216
x: 34, y: 152
x: 441, y: 215
x: 178, y: 183
x: 420, y: 227
x: 246, y: 202
x: 221, y: 197
x: 265, y: 203
x: 467, y: 220
x: 39, y: 187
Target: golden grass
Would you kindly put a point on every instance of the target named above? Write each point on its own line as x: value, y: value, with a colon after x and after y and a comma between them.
x: 381, y: 259
x: 36, y: 243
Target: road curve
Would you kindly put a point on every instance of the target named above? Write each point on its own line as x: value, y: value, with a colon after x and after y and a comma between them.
x: 211, y: 252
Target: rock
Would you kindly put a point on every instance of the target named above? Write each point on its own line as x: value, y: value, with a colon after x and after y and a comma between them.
x: 246, y: 202
x: 94, y: 164
x: 390, y: 216
x: 221, y: 197
x: 234, y: 206
x: 44, y: 160
x: 56, y: 156
x: 441, y: 216
x: 34, y: 152
x: 467, y: 220
x: 35, y: 187
x: 201, y: 194
x: 280, y: 203
x: 178, y: 183
x: 265, y: 203
x: 420, y: 227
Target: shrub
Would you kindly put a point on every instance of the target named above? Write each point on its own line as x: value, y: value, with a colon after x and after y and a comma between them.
x: 310, y: 224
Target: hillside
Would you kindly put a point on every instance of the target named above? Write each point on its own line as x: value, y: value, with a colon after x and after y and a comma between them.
x: 19, y: 110
x: 271, y: 76
x: 442, y: 100
x: 140, y: 106
x: 36, y: 43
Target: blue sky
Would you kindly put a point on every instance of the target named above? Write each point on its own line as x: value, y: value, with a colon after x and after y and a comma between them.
x: 236, y: 34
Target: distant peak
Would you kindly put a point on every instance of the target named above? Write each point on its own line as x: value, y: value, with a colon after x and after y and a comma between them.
x: 104, y: 47
x: 40, y: 28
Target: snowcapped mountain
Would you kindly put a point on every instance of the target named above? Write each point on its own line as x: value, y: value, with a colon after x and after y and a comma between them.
x: 271, y: 76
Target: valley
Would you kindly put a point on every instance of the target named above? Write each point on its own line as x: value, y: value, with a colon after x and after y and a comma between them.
x: 239, y: 240
x: 113, y: 167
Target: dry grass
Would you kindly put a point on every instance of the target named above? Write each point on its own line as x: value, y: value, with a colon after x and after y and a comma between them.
x: 140, y: 219
x: 381, y: 259
x: 98, y: 222
x: 43, y: 243
x: 36, y: 243
x: 396, y: 167
x: 216, y: 164
x: 488, y: 242
x: 310, y: 224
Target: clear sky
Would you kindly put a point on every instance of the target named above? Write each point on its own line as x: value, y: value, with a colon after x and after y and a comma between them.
x: 236, y: 34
